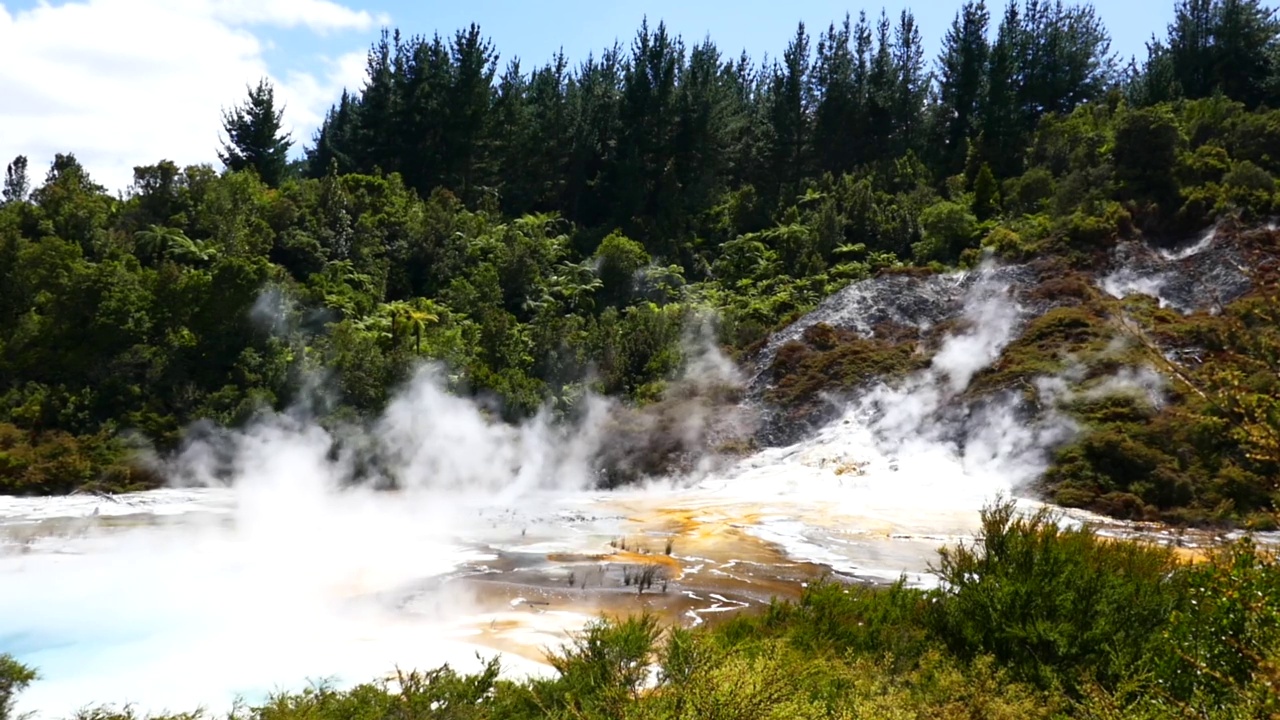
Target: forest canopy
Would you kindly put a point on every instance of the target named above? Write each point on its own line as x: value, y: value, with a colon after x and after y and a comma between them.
x: 547, y: 231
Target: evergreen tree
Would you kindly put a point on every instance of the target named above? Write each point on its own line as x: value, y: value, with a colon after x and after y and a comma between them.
x: 1000, y: 117
x: 16, y: 182
x: 1213, y: 46
x: 513, y: 144
x: 1155, y: 80
x: 1066, y: 58
x: 986, y: 194
x: 334, y: 144
x: 551, y: 131
x: 837, y: 118
x: 644, y: 184
x: 710, y: 114
x: 790, y: 107
x: 961, y: 72
x: 594, y: 99
x: 377, y: 138
x: 422, y: 80
x: 911, y: 85
x: 1190, y: 47
x: 254, y: 138
x: 1245, y: 40
x: 469, y: 101
x: 882, y: 95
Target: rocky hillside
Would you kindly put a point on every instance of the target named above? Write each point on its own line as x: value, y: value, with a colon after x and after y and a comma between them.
x: 1151, y: 350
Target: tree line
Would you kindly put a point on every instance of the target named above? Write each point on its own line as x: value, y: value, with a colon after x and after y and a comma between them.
x: 646, y: 139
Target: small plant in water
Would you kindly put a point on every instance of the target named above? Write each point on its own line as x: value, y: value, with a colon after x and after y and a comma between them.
x: 645, y: 579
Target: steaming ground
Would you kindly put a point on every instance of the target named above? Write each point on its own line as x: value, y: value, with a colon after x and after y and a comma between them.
x: 492, y: 542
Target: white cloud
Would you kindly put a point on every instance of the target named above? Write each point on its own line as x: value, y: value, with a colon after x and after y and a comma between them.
x: 131, y: 82
x: 317, y: 15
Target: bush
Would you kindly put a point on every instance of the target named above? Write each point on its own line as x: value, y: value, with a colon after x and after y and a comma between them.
x: 1145, y: 153
x: 14, y: 676
x: 1030, y: 193
x: 947, y: 229
x: 1053, y: 605
x: 1088, y: 231
x: 58, y: 462
x: 1223, y: 641
x: 1006, y: 245
x: 1249, y: 188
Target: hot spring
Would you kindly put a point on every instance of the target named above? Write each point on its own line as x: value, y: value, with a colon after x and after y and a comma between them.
x: 264, y: 567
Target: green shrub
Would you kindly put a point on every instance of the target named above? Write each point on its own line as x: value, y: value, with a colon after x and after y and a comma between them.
x: 1053, y: 605
x: 1029, y: 194
x: 1223, y: 641
x: 947, y: 229
x: 1206, y: 164
x: 1007, y: 244
x: 14, y: 677
x: 1249, y: 188
x: 1088, y: 231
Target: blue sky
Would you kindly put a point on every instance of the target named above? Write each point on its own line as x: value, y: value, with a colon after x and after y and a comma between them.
x: 128, y: 82
x: 534, y: 31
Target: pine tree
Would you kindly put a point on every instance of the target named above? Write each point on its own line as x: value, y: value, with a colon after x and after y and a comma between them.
x: 594, y: 98
x: 1213, y: 46
x: 912, y: 85
x: 469, y: 103
x: 986, y: 194
x: 1190, y: 47
x: 423, y: 80
x: 641, y: 186
x: 1068, y: 60
x: 377, y: 138
x: 1000, y: 117
x: 837, y: 118
x: 708, y: 114
x: 790, y: 106
x: 882, y: 93
x: 962, y: 68
x: 1245, y: 43
x: 254, y: 137
x: 16, y: 182
x: 335, y: 142
x: 513, y: 146
x: 1155, y: 81
x: 550, y: 132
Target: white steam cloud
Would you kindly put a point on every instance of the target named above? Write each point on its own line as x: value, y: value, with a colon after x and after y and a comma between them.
x: 287, y: 557
x: 995, y: 440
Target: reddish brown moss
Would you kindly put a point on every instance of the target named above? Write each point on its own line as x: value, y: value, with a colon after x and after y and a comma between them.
x: 831, y: 359
x: 1045, y: 347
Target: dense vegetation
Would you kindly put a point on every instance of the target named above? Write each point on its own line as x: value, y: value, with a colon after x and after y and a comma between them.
x: 550, y: 232
x: 1031, y: 621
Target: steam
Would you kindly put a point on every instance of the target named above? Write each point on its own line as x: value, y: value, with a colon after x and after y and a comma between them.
x: 294, y: 554
x: 1143, y: 383
x: 1126, y: 281
x: 299, y: 550
x: 993, y: 440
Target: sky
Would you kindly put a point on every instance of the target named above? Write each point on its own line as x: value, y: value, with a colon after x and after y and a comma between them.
x: 122, y: 83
